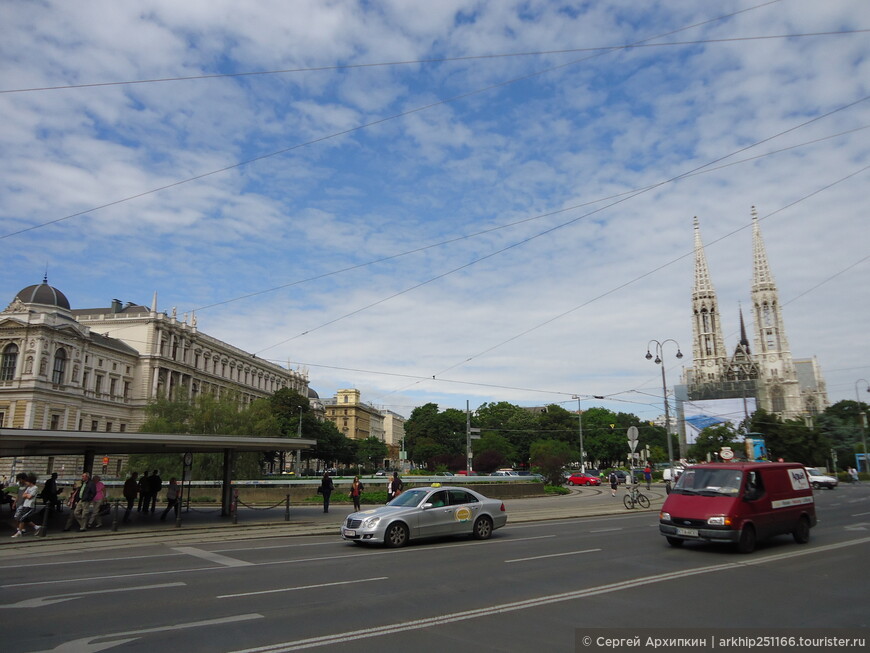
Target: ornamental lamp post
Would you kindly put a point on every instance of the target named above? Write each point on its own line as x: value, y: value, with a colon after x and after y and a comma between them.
x: 659, y: 360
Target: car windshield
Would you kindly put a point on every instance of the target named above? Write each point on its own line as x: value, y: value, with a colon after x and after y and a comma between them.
x: 709, y: 482
x: 814, y: 472
x: 409, y: 498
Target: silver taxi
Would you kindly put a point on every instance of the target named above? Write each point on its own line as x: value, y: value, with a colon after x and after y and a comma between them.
x: 426, y: 512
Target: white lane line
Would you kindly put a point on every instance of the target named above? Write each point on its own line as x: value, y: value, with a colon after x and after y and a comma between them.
x: 102, y: 642
x: 67, y: 561
x: 304, y: 587
x: 345, y: 556
x: 553, y: 555
x: 59, y: 598
x: 211, y: 556
x: 417, y: 624
x: 606, y: 530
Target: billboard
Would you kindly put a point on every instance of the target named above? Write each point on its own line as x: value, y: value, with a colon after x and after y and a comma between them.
x: 700, y: 414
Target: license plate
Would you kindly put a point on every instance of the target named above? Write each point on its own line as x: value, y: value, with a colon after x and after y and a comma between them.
x: 687, y: 532
x: 349, y: 533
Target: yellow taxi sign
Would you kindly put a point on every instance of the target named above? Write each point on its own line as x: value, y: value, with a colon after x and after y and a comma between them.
x: 436, y: 485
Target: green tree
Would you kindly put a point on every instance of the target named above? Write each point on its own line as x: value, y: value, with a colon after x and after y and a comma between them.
x: 371, y: 453
x: 550, y: 457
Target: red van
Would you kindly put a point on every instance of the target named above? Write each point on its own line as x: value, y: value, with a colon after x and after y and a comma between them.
x: 739, y: 503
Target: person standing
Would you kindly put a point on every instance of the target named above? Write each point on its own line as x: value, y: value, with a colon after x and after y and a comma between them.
x: 356, y: 489
x: 173, y: 494
x: 50, y: 495
x: 614, y: 482
x: 144, y: 489
x: 396, y: 486
x: 326, y: 488
x: 647, y: 475
x: 131, y: 489
x: 156, y: 485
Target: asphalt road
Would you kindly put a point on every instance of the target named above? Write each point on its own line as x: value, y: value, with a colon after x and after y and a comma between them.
x: 535, y: 586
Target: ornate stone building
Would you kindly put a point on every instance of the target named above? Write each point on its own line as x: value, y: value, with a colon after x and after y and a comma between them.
x: 96, y: 369
x: 767, y: 371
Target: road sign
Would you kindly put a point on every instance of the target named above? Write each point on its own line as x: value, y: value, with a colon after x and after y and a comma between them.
x: 726, y: 454
x: 632, y: 438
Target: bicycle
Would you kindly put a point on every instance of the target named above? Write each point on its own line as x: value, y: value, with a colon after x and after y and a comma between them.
x: 635, y: 497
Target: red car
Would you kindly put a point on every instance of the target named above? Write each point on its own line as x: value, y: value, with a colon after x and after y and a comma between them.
x: 583, y: 479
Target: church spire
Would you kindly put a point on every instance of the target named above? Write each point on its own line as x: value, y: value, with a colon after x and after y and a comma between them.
x: 708, y: 346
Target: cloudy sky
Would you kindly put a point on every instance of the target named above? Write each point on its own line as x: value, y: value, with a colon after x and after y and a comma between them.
x: 446, y: 201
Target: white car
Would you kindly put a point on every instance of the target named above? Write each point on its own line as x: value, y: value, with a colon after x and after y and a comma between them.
x: 819, y: 480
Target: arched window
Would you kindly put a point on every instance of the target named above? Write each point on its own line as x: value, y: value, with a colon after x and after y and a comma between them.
x: 59, y: 366
x: 7, y: 366
x: 777, y: 400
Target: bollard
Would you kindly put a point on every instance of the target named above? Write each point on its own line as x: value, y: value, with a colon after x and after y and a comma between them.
x: 46, y: 515
x: 287, y: 509
x: 115, y: 509
x: 234, y: 506
x: 178, y: 512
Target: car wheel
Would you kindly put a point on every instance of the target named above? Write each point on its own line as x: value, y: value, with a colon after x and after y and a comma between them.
x: 801, y: 532
x: 571, y: 483
x: 816, y: 486
x: 746, y: 544
x: 482, y: 528
x: 396, y: 535
x: 675, y: 542
x: 588, y: 483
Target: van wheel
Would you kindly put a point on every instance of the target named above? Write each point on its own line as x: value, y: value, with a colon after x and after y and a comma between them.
x: 801, y: 532
x: 746, y: 544
x: 675, y: 542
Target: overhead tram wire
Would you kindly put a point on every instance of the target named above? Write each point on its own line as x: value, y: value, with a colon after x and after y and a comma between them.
x: 361, y: 127
x: 555, y: 228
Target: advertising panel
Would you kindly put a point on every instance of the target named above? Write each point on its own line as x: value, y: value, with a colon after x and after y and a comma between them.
x: 709, y: 412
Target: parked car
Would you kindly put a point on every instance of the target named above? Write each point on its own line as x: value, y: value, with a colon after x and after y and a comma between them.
x: 579, y: 478
x: 426, y: 512
x: 464, y: 472
x: 620, y: 475
x: 504, y: 472
x: 819, y: 480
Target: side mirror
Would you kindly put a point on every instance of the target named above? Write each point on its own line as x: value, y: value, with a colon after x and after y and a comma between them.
x: 426, y: 506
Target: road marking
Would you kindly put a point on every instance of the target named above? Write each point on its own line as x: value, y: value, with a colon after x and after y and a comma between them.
x: 92, y: 645
x: 345, y: 556
x: 66, y: 561
x: 860, y: 514
x: 226, y: 561
x: 607, y: 530
x: 59, y: 598
x: 303, y: 587
x: 553, y: 555
x: 417, y: 624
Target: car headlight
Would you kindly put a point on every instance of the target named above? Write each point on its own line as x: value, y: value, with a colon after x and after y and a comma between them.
x: 665, y: 516
x: 371, y: 522
x: 719, y: 520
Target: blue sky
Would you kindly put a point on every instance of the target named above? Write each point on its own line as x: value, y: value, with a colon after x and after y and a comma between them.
x: 393, y: 223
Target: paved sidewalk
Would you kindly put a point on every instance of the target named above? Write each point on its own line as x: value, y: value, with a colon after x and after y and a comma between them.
x: 205, y: 524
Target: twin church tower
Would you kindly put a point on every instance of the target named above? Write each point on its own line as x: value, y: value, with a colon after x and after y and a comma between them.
x: 790, y: 388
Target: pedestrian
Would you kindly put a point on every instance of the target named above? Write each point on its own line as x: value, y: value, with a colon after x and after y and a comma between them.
x: 326, y: 488
x: 853, y: 473
x: 83, y: 501
x: 144, y: 489
x: 49, y: 493
x: 100, y: 503
x: 156, y: 485
x: 356, y: 489
x: 26, y: 505
x: 131, y: 489
x: 395, y: 487
x: 614, y: 482
x: 647, y: 475
x: 173, y: 496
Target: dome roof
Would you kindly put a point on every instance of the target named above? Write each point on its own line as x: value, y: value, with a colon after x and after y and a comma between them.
x: 312, y: 393
x: 43, y: 294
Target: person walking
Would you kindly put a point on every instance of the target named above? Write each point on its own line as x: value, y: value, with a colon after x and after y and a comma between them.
x: 100, y: 503
x: 155, y: 487
x: 26, y: 505
x: 326, y: 488
x: 83, y: 503
x: 173, y: 496
x: 614, y: 482
x: 131, y: 489
x: 356, y: 489
x: 144, y: 489
x: 647, y: 475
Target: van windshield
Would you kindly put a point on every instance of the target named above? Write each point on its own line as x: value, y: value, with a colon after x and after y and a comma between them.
x: 709, y: 482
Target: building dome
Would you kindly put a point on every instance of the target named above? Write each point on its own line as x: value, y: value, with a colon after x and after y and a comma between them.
x: 43, y: 294
x: 312, y: 393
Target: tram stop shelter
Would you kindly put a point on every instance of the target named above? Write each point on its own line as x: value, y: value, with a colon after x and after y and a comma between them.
x: 34, y: 442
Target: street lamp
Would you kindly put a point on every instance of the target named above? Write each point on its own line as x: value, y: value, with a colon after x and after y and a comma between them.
x: 659, y: 348
x: 862, y: 418
x: 580, y: 431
